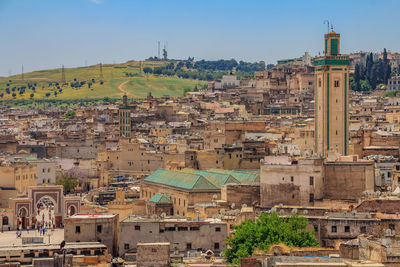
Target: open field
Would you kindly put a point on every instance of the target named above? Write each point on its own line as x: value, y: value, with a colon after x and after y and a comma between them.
x: 117, y: 79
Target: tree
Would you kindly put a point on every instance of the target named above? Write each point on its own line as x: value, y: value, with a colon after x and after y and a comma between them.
x: 31, y: 95
x: 357, y: 77
x: 70, y: 114
x: 147, y: 70
x: 14, y: 94
x: 47, y: 94
x: 68, y: 183
x: 268, y: 229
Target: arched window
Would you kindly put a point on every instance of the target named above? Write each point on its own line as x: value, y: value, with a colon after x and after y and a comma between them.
x: 5, y: 220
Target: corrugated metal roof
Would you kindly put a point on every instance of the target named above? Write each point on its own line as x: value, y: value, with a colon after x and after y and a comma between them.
x: 217, y: 178
x: 180, y: 179
x: 241, y: 176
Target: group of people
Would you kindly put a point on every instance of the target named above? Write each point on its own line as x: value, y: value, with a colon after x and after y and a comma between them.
x: 43, y: 225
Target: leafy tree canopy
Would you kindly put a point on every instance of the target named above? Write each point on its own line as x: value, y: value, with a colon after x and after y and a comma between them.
x: 68, y: 183
x: 268, y: 229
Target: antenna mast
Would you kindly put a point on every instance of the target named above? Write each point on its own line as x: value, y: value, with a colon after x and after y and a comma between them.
x: 159, y: 55
x: 327, y: 22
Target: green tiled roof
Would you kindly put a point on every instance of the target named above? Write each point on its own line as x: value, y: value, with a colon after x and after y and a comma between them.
x: 160, y: 198
x: 180, y: 179
x: 242, y: 176
x: 217, y: 178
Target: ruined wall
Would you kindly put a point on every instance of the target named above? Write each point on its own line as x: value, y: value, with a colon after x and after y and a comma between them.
x: 241, y: 194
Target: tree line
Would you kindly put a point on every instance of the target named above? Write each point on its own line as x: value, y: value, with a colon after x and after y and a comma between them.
x: 369, y: 75
x: 205, y: 69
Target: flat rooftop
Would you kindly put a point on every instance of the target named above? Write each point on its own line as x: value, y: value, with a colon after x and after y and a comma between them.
x: 92, y: 216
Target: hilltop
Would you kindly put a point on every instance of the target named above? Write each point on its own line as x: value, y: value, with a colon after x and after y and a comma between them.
x: 86, y: 82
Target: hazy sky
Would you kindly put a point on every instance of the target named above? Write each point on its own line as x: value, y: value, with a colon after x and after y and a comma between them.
x: 42, y: 34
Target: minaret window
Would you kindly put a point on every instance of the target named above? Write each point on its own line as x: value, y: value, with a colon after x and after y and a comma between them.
x: 336, y: 83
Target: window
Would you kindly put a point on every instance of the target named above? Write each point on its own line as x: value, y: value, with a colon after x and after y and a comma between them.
x: 216, y: 246
x: 347, y: 228
x: 311, y: 198
x: 319, y: 83
x: 311, y: 180
x: 315, y: 228
x: 188, y: 246
x: 126, y: 246
x: 333, y: 229
x: 336, y: 83
x: 184, y: 202
x: 292, y: 196
x: 99, y: 228
x: 391, y: 226
x: 363, y: 229
x: 137, y: 227
x: 218, y: 229
x: 77, y: 229
x: 183, y: 228
x: 291, y: 178
x: 195, y: 228
x: 154, y: 250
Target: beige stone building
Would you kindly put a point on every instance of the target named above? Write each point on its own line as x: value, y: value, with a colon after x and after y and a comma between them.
x: 331, y: 98
x: 18, y: 176
x: 103, y: 228
x: 291, y: 182
x: 182, y: 234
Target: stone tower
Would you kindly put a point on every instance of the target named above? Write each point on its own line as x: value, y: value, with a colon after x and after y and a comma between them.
x: 332, y: 98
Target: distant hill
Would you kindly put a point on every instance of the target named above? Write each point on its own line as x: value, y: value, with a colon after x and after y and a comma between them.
x: 85, y: 82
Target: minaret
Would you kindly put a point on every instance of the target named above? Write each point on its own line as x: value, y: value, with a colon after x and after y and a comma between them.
x: 331, y: 98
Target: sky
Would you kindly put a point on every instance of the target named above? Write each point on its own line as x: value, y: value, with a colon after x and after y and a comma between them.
x: 45, y: 34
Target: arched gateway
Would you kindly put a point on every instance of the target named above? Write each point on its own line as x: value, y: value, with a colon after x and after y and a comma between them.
x: 25, y: 209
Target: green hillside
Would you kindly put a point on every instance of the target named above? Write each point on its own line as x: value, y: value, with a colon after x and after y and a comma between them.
x: 85, y: 82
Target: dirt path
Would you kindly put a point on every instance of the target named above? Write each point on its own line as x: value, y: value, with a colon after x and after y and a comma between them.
x: 121, y: 87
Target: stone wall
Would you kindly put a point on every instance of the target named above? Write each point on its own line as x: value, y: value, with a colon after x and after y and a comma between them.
x: 239, y: 194
x: 347, y: 180
x: 153, y: 254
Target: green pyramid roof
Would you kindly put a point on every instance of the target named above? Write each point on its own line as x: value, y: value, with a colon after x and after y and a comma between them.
x: 160, y: 198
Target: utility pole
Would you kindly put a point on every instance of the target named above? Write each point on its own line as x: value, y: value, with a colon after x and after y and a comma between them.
x: 62, y: 74
x: 101, y: 71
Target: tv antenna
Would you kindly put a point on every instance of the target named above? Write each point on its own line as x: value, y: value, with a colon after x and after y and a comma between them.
x: 327, y: 22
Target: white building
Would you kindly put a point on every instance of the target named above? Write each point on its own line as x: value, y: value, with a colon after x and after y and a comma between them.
x: 394, y: 83
x: 227, y: 81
